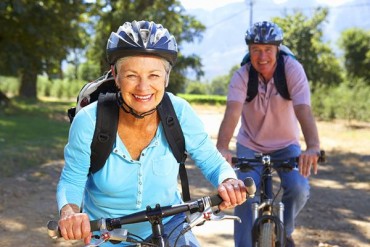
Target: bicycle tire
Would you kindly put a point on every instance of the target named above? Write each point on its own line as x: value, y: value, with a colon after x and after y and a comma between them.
x: 267, y: 235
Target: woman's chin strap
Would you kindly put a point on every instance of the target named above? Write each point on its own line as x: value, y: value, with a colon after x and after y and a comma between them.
x: 122, y: 104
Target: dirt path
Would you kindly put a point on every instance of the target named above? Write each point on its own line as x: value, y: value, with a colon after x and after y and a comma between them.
x: 337, y: 214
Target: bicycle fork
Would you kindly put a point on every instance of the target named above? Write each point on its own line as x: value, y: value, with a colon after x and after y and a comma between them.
x: 262, y: 214
x: 257, y: 208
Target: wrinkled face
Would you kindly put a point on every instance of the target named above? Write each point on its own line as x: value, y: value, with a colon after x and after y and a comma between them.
x: 263, y: 59
x: 142, y: 81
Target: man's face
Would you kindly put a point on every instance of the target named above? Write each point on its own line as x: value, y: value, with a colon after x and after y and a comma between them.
x: 263, y: 59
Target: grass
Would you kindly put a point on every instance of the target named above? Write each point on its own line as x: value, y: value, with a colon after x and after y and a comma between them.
x: 32, y: 133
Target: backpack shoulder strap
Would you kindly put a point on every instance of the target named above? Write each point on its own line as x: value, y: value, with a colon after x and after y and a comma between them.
x: 172, y: 128
x: 105, y: 131
x: 280, y: 79
x: 252, y: 84
x: 176, y: 140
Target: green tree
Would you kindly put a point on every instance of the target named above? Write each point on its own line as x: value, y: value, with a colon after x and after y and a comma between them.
x: 219, y: 85
x: 36, y: 36
x: 88, y: 71
x: 196, y: 87
x: 303, y: 36
x: 109, y: 15
x: 352, y: 100
x: 356, y: 46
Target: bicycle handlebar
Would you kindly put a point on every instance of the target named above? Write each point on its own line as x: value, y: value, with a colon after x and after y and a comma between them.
x: 111, y: 228
x: 265, y: 159
x: 198, y: 205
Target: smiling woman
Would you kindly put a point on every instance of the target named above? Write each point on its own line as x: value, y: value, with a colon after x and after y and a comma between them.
x: 133, y: 175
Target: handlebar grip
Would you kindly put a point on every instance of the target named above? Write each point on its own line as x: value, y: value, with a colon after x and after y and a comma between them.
x: 215, y: 200
x: 53, y: 229
x: 322, y: 156
x: 54, y: 232
x: 234, y: 160
x: 250, y: 186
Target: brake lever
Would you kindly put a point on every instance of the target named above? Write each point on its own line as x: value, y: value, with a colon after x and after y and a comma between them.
x: 119, y: 234
x: 221, y: 216
x: 95, y: 242
x: 198, y: 219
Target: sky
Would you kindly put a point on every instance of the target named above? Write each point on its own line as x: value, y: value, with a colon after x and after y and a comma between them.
x: 213, y: 4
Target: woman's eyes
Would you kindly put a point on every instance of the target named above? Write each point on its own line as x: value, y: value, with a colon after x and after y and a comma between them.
x: 151, y: 76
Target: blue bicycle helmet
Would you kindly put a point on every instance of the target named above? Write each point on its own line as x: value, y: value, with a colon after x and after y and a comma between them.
x: 264, y: 33
x: 141, y: 38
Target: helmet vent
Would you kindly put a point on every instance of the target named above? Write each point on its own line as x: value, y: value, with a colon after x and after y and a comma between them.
x: 139, y: 38
x: 263, y: 32
x: 144, y: 35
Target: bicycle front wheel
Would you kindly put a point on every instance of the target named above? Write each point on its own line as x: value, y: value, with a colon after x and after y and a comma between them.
x: 267, y: 235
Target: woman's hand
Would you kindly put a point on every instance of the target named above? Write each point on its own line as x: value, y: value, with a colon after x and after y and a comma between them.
x: 74, y: 225
x: 233, y: 193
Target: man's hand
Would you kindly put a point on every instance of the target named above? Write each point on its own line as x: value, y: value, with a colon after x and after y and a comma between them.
x: 226, y: 153
x: 308, y: 160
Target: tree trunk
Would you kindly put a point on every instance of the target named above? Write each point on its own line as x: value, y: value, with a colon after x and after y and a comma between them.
x: 4, y: 100
x: 28, y: 84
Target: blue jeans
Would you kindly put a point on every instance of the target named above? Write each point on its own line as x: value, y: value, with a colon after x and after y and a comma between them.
x: 175, y: 225
x: 296, y: 193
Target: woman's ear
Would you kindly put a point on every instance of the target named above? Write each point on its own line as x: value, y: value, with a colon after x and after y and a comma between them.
x: 114, y: 70
x: 167, y: 77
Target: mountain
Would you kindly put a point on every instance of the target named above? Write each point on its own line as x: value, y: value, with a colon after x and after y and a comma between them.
x: 223, y: 44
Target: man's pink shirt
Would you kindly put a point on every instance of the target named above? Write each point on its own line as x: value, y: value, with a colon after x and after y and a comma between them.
x: 268, y: 122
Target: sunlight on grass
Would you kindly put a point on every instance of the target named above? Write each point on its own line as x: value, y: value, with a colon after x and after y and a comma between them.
x: 32, y: 133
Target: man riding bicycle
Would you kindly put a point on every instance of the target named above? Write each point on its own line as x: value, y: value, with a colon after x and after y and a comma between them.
x: 269, y: 123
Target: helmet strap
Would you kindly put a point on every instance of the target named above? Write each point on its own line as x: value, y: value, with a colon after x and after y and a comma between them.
x: 123, y: 105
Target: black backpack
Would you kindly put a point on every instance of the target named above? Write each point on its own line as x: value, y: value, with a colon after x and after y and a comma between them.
x: 279, y: 76
x: 104, y: 90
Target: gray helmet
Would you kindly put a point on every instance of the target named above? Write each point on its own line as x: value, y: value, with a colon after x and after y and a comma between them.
x: 141, y: 38
x: 264, y: 33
